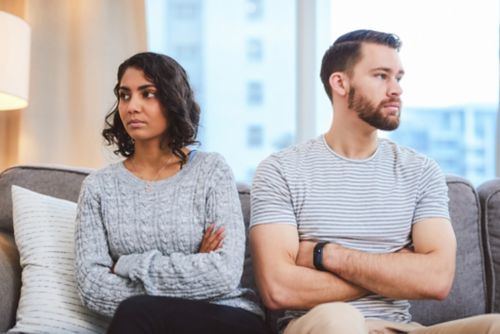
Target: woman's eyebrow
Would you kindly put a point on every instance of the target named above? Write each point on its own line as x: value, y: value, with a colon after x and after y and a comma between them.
x: 139, y: 88
x: 146, y: 86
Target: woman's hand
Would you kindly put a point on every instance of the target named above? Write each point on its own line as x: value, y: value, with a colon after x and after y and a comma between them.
x: 212, y: 239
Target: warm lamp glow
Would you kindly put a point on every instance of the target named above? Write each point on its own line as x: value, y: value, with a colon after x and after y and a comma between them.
x: 14, y: 62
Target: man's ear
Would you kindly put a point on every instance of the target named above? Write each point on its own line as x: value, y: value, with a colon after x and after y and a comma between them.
x: 339, y: 83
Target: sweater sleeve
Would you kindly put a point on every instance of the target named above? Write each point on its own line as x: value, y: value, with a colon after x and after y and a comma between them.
x: 99, y: 289
x: 197, y: 275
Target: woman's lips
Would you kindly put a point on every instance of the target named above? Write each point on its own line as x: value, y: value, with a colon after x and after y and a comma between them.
x: 135, y: 124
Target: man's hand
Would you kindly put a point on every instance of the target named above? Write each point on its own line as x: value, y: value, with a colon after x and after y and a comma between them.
x: 212, y: 239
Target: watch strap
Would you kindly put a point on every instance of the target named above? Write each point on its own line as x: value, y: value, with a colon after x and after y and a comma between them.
x: 318, y: 255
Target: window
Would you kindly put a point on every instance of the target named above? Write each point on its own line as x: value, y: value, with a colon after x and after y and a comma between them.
x: 255, y: 136
x: 254, y: 9
x: 451, y: 85
x: 254, y: 50
x: 254, y: 93
x: 248, y: 74
x: 185, y: 9
x: 242, y: 91
x: 186, y: 51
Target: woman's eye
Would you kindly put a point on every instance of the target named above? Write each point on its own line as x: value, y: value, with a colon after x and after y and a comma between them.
x: 124, y: 96
x: 149, y: 94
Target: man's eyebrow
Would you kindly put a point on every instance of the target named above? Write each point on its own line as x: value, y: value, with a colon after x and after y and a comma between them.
x: 388, y: 70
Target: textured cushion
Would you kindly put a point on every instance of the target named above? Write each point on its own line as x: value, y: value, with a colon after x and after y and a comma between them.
x: 58, y: 181
x: 489, y: 195
x: 61, y: 182
x: 44, y: 232
x: 468, y: 294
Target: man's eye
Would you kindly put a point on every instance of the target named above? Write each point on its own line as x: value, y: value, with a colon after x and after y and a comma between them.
x: 382, y: 76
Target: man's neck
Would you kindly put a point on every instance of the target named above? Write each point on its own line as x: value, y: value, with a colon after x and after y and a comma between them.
x: 352, y: 142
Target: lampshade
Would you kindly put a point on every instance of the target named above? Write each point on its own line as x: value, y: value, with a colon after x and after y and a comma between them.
x: 14, y: 62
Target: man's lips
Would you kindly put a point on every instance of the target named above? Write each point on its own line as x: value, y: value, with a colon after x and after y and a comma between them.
x: 392, y: 105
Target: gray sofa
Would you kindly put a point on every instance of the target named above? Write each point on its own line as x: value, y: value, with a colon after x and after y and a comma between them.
x: 475, y: 216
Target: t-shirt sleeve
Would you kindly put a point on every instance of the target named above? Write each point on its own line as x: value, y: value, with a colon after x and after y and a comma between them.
x: 432, y: 196
x: 270, y: 196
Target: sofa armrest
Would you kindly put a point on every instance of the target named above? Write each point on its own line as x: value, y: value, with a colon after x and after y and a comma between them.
x: 10, y: 281
x: 489, y: 195
x: 468, y: 295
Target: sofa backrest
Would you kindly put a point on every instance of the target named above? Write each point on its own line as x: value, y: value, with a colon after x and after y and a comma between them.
x: 61, y: 182
x: 469, y: 293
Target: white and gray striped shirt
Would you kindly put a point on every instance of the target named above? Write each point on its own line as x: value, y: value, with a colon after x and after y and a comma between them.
x: 368, y: 205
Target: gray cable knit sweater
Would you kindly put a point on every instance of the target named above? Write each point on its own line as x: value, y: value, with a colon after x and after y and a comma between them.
x: 153, y: 231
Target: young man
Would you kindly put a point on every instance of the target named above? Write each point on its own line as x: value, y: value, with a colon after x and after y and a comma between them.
x: 349, y: 226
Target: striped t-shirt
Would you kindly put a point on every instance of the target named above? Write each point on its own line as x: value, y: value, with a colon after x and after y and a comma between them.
x: 367, y: 205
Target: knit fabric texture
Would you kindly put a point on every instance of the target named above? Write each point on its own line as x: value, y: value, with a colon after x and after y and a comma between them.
x: 151, y: 232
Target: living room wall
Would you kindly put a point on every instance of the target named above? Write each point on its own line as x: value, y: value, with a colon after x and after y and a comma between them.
x: 76, y: 47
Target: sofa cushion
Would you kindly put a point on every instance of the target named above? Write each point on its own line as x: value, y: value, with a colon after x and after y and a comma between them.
x: 61, y: 182
x: 469, y: 291
x: 489, y: 196
x: 44, y: 229
x: 58, y: 181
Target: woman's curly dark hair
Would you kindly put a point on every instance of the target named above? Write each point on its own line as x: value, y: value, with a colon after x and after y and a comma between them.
x: 175, y: 96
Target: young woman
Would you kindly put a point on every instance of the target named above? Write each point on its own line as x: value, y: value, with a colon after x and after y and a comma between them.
x: 160, y: 236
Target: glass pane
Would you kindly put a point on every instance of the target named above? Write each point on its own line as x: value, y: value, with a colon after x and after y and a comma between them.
x: 450, y: 54
x: 240, y: 57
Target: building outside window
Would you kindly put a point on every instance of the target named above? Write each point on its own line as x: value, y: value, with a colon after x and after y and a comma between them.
x: 450, y: 89
x: 247, y: 75
x: 255, y: 93
x: 255, y: 136
x: 254, y: 50
x: 244, y: 91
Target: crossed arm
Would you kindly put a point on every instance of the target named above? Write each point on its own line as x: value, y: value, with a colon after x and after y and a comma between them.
x: 287, y: 278
x: 282, y: 282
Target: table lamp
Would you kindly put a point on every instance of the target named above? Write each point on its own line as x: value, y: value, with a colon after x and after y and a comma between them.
x: 15, y: 37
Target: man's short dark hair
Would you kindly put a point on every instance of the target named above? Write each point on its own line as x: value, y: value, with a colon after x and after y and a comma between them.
x: 345, y: 52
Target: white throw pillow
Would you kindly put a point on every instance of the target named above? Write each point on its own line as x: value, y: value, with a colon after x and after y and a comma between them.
x: 44, y: 231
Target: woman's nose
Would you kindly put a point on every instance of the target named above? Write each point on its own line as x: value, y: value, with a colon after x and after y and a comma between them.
x: 133, y: 104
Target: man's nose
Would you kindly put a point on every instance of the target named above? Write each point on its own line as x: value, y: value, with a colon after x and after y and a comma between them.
x: 395, y: 88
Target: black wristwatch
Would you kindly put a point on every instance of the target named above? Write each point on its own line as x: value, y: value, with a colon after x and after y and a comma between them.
x: 318, y: 255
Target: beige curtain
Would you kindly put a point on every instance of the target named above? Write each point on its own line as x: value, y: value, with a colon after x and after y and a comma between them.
x: 10, y: 120
x: 77, y: 46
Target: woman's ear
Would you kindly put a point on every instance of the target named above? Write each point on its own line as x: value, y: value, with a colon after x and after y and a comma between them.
x: 339, y: 83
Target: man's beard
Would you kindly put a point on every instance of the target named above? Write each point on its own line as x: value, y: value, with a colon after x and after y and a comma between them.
x: 373, y: 114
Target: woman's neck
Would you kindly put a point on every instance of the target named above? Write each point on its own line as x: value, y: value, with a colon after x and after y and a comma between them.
x: 153, y: 165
